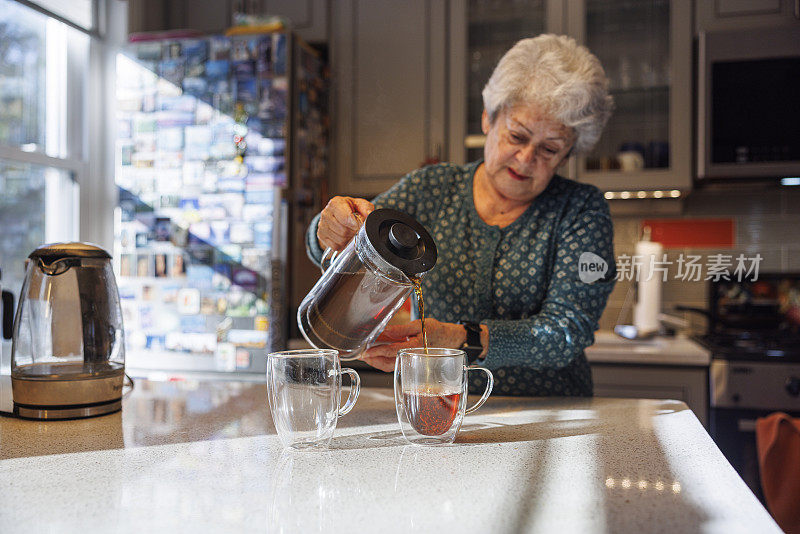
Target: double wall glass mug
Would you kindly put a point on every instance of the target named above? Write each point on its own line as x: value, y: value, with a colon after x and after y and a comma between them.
x: 366, y: 283
x: 430, y: 393
x: 304, y: 388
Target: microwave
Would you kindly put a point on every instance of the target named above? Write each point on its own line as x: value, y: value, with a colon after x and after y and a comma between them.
x: 748, y: 104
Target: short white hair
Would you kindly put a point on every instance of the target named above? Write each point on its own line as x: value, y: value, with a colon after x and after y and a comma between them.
x: 555, y: 73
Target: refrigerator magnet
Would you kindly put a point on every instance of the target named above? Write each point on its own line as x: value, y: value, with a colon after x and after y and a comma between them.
x: 189, y: 301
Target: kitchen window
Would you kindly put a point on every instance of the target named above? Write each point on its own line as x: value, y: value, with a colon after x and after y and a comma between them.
x: 44, y: 152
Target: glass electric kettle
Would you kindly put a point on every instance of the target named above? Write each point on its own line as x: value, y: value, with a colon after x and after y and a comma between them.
x: 366, y: 283
x: 68, y: 355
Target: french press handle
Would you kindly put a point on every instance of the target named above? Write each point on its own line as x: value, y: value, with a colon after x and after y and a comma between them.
x: 331, y: 254
x: 328, y: 256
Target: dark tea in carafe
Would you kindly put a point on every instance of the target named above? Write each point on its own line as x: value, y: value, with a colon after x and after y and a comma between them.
x: 338, y: 315
x: 431, y: 412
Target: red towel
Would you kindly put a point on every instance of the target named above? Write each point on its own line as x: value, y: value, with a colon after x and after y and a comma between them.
x: 778, y: 442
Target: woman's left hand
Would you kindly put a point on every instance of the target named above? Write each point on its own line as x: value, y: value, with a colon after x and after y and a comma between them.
x: 409, y: 335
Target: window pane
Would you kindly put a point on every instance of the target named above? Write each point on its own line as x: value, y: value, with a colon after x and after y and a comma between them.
x: 37, y: 205
x: 43, y: 73
x: 22, y: 75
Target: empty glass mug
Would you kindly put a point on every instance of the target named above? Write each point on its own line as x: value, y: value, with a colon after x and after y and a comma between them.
x: 430, y: 393
x: 303, y: 387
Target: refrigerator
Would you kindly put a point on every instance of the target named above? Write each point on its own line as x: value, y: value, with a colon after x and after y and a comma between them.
x: 221, y: 162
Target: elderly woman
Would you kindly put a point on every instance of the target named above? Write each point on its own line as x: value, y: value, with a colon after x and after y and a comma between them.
x: 510, y: 232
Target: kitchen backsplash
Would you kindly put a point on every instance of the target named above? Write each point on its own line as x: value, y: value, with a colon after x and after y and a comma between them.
x: 766, y: 220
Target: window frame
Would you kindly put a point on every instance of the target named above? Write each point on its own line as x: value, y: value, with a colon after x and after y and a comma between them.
x: 86, y: 128
x: 94, y: 31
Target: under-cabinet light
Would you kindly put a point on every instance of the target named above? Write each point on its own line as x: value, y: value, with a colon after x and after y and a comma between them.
x: 674, y: 193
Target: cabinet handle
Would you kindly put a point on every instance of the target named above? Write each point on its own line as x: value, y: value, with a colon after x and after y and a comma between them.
x: 746, y: 425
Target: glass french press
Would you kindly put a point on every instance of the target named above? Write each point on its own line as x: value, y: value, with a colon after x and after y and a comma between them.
x: 366, y: 283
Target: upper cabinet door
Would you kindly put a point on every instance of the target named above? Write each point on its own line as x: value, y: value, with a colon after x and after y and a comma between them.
x: 645, y: 48
x: 725, y: 15
x: 493, y: 26
x: 309, y: 18
x: 390, y: 78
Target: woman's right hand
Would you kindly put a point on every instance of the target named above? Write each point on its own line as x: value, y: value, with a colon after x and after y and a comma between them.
x: 338, y: 223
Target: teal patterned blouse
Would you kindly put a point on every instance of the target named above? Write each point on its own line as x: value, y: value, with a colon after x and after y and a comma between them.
x: 522, y: 281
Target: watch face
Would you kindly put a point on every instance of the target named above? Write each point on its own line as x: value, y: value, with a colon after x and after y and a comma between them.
x: 472, y: 345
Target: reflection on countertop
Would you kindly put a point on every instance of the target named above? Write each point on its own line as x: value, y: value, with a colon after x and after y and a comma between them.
x: 176, y: 410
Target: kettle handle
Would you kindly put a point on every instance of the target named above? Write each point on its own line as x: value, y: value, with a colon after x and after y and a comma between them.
x: 56, y: 267
x: 8, y: 314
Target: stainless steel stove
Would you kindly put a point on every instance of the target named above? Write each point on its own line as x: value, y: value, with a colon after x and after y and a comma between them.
x: 754, y: 339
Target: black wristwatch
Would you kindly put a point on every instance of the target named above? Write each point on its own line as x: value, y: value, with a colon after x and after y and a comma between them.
x: 472, y: 346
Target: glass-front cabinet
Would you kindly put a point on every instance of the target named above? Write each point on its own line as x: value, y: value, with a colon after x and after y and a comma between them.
x: 645, y: 48
x: 493, y: 27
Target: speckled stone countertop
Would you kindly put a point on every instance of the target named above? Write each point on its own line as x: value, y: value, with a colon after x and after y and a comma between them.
x: 195, y: 456
x: 610, y: 348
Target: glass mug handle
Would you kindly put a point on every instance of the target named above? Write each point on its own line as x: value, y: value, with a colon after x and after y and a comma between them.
x: 355, y: 389
x: 489, y: 386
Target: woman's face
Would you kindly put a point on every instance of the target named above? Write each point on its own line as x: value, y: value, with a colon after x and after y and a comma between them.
x: 523, y: 149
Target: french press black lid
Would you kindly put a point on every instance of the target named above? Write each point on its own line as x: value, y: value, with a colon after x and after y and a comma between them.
x: 400, y: 240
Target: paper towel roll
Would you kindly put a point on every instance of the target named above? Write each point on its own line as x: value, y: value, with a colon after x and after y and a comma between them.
x: 648, y: 295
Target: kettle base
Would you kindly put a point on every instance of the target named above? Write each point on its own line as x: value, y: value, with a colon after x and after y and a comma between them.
x: 66, y: 412
x: 66, y: 395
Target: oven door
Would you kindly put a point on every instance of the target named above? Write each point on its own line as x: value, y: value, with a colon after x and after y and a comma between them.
x: 734, y: 431
x: 741, y: 392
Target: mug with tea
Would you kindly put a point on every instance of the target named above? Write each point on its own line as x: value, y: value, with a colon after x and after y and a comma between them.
x: 430, y: 393
x: 303, y: 387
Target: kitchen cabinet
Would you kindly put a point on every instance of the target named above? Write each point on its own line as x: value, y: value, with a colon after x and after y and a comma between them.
x: 646, y: 49
x: 161, y: 15
x: 390, y: 66
x: 723, y: 15
x: 685, y: 383
x: 491, y: 29
x: 309, y: 18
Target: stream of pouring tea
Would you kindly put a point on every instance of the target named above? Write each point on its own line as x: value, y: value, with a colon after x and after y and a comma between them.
x: 417, y: 283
